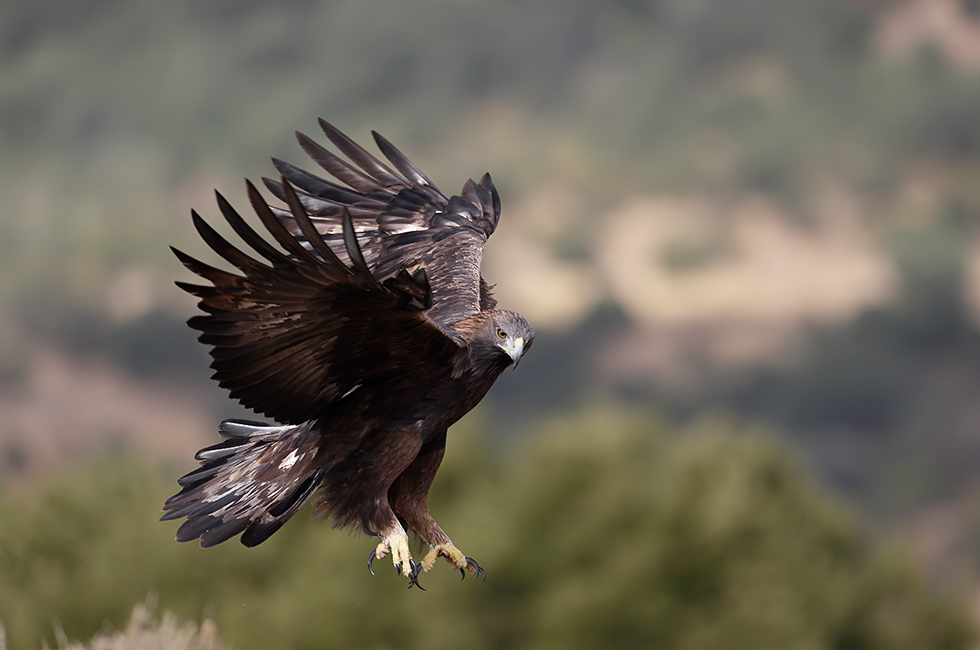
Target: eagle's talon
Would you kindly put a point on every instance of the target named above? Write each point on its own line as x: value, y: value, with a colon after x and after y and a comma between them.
x: 371, y: 557
x: 413, y: 576
x: 477, y: 569
x: 456, y: 559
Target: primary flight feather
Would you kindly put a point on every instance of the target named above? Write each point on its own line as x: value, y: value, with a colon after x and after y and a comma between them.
x: 365, y: 335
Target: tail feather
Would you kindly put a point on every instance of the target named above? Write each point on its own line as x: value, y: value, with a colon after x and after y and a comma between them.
x: 223, y: 532
x: 259, y: 532
x: 251, y: 483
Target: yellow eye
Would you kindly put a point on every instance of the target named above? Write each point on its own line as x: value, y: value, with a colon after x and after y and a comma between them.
x: 501, y: 333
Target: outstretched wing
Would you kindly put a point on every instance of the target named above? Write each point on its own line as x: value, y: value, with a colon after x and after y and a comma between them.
x: 401, y: 220
x: 291, y: 336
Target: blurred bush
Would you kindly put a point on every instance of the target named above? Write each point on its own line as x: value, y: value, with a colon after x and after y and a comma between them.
x: 600, y: 529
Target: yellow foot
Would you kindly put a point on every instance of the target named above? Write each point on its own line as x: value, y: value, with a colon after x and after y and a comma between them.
x: 401, y: 557
x: 455, y: 557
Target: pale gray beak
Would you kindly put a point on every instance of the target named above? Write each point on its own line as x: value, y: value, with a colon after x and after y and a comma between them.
x: 515, y: 350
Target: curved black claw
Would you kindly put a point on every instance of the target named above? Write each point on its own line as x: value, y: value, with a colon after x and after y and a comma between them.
x: 470, y: 562
x: 413, y: 576
x: 371, y: 557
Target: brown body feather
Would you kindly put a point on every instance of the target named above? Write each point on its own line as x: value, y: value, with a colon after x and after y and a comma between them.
x: 365, y: 338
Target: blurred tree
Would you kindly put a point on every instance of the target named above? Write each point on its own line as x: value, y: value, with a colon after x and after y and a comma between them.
x: 601, y: 529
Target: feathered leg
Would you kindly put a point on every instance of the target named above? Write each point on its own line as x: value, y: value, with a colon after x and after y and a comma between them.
x: 408, y: 499
x: 355, y: 493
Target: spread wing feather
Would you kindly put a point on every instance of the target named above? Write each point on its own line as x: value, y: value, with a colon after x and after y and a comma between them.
x: 360, y: 157
x: 293, y: 336
x: 340, y: 168
x: 400, y: 161
x: 401, y: 220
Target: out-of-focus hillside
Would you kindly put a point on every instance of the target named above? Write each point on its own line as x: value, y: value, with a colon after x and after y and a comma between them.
x: 767, y: 207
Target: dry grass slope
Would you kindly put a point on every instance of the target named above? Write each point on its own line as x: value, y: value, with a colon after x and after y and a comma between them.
x: 143, y: 633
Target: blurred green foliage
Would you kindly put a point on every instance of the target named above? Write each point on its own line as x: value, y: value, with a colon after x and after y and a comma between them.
x: 599, y: 529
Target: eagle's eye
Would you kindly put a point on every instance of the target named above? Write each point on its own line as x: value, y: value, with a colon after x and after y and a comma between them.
x: 502, y: 334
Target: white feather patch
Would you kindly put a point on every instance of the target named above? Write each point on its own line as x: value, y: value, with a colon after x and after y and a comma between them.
x: 289, y: 460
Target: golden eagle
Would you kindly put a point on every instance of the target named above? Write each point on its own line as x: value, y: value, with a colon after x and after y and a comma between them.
x: 365, y: 338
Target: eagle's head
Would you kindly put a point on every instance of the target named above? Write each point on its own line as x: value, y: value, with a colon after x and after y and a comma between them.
x: 512, y: 334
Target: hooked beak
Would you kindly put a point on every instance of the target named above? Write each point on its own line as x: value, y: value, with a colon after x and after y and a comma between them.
x: 515, y: 350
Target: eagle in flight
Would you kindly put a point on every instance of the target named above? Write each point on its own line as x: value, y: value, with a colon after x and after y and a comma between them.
x: 365, y: 337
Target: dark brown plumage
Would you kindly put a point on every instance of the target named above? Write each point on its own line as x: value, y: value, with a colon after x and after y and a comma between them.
x: 364, y: 339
